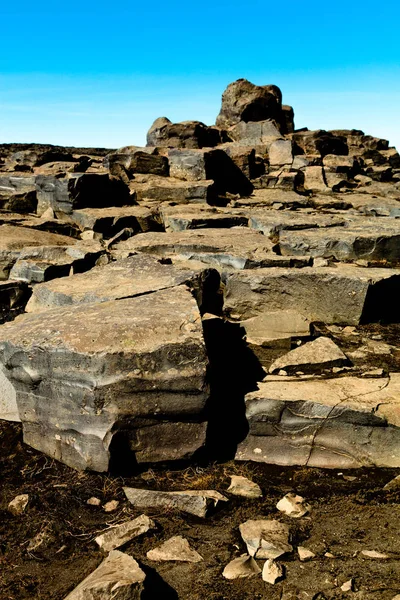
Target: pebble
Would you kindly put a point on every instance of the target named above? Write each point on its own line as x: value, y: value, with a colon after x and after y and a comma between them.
x: 111, y: 506
x: 18, y: 504
x: 305, y: 554
x: 176, y: 548
x: 94, y: 501
x: 347, y: 586
x: 374, y: 554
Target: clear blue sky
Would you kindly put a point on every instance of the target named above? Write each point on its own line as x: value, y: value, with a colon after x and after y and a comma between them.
x: 98, y: 73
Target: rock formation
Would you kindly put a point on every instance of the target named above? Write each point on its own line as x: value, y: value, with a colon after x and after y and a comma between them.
x: 193, y: 298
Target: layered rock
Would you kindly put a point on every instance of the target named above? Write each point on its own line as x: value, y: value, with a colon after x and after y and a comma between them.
x: 103, y: 376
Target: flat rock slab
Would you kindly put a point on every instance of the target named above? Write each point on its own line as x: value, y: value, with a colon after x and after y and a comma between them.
x: 265, y: 538
x: 109, y: 221
x: 271, y: 197
x: 374, y: 241
x: 13, y: 239
x: 271, y: 222
x: 194, y: 502
x: 241, y: 486
x: 84, y: 372
x: 196, y: 216
x: 236, y: 248
x: 36, y: 264
x: 311, y: 357
x: 117, y: 536
x: 242, y: 567
x: 348, y: 422
x: 342, y: 294
x: 126, y: 278
x: 118, y: 576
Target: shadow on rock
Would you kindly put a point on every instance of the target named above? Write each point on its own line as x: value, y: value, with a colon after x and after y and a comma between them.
x: 156, y: 587
x: 234, y: 371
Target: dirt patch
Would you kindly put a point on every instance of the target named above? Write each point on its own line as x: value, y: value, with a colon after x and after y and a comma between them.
x: 347, y: 517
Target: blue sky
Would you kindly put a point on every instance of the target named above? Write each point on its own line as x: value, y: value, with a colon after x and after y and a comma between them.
x: 98, y: 73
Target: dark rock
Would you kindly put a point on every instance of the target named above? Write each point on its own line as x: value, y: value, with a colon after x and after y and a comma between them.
x: 188, y: 134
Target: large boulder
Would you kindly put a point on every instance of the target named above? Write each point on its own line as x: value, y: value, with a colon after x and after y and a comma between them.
x: 188, y: 134
x: 18, y: 193
x: 125, y: 378
x: 244, y: 101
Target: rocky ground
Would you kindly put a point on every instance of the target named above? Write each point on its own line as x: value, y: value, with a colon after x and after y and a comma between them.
x: 50, y: 548
x: 220, y: 301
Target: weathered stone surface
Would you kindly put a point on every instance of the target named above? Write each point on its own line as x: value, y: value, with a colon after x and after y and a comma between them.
x: 126, y: 278
x: 274, y: 197
x: 237, y: 247
x: 170, y: 189
x: 346, y: 422
x: 18, y: 193
x: 197, y: 216
x: 321, y: 142
x: 194, y: 502
x: 18, y: 504
x: 8, y: 400
x: 109, y: 221
x: 87, y: 190
x: 241, y: 486
x: 118, y: 577
x: 271, y: 222
x: 314, y: 179
x: 118, y: 535
x: 342, y: 294
x: 188, y: 134
x: 13, y: 239
x: 136, y: 160
x: 42, y: 263
x: 265, y: 538
x: 280, y: 153
x: 311, y: 357
x: 305, y: 554
x: 176, y: 548
x: 380, y: 242
x: 244, y: 101
x: 98, y: 370
x: 241, y: 567
x: 256, y: 134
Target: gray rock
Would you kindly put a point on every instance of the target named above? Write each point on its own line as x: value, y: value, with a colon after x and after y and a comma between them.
x: 197, y: 216
x: 311, y: 357
x: 126, y: 278
x: 118, y: 535
x: 176, y: 548
x: 280, y: 153
x: 169, y: 189
x: 18, y: 193
x: 265, y: 538
x: 194, y: 502
x: 342, y: 294
x: 261, y: 133
x: 8, y: 400
x: 187, y: 134
x: 242, y: 567
x: 348, y: 422
x: 14, y: 239
x: 109, y: 221
x: 98, y: 370
x: 118, y: 577
x: 77, y: 190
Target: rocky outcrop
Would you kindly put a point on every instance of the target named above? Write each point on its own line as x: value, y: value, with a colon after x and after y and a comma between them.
x: 161, y: 284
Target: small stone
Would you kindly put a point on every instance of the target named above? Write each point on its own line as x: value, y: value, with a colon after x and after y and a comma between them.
x: 195, y: 502
x: 305, y: 554
x: 124, y: 532
x: 18, y: 504
x: 393, y: 484
x: 347, y: 586
x: 293, y: 506
x: 111, y: 506
x: 265, y: 538
x: 329, y: 555
x: 374, y: 554
x: 272, y: 571
x: 318, y: 261
x: 239, y: 568
x: 241, y: 486
x: 349, y: 478
x: 175, y: 549
x: 349, y: 330
x: 93, y: 501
